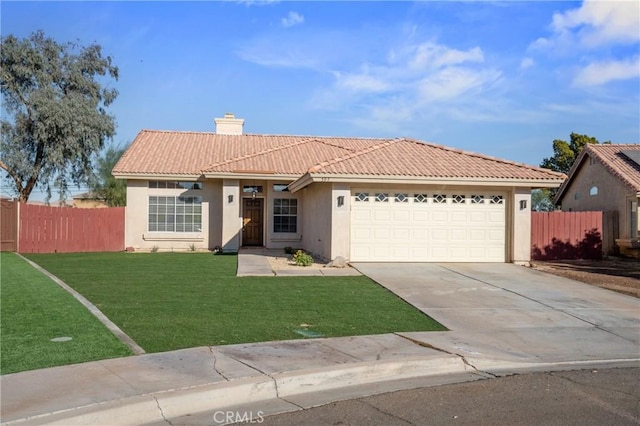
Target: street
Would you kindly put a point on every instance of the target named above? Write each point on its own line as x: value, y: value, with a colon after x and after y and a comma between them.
x: 584, y: 397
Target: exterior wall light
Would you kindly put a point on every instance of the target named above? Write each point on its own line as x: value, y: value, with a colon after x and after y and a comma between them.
x: 230, y: 198
x: 340, y: 200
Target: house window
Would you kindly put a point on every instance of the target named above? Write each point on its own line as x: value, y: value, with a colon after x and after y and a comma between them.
x: 593, y: 190
x: 382, y: 197
x: 439, y: 199
x: 285, y: 215
x: 477, y: 199
x: 362, y: 196
x: 280, y: 187
x: 252, y: 189
x: 420, y: 198
x: 166, y: 184
x: 402, y: 198
x: 496, y: 199
x: 458, y: 199
x: 175, y: 214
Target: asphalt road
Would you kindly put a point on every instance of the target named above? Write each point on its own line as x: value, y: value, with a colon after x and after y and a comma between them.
x: 584, y: 397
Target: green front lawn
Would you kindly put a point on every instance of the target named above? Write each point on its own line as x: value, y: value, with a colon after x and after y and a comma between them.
x: 167, y: 301
x: 35, y: 310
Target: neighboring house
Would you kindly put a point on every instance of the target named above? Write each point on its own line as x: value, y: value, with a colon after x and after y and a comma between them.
x: 363, y: 199
x: 87, y: 200
x: 607, y: 178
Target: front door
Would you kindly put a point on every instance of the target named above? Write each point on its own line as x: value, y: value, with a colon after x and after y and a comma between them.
x: 252, y: 215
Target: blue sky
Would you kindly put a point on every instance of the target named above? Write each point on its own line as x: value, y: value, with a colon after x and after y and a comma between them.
x: 500, y: 78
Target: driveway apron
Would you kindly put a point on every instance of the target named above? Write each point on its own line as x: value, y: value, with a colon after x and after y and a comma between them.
x: 507, y: 311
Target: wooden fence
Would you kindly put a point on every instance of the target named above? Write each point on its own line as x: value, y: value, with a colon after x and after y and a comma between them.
x: 45, y: 229
x: 572, y: 235
x: 9, y: 226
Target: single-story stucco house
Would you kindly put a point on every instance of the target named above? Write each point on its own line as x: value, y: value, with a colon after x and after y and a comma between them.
x: 607, y: 178
x: 364, y: 199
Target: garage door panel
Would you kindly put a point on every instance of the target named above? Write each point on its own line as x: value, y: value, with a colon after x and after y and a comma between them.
x: 415, y: 227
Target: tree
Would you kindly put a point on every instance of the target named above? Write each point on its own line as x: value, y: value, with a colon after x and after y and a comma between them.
x: 55, y: 108
x: 542, y: 200
x: 105, y: 186
x: 565, y: 153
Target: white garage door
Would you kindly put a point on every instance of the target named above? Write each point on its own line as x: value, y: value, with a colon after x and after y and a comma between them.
x: 455, y: 226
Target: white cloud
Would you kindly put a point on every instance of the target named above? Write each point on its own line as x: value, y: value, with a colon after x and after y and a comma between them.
x: 361, y: 82
x: 527, y: 63
x: 593, y: 24
x: 453, y: 82
x: 599, y: 73
x: 601, y: 22
x: 292, y: 18
x: 433, y: 55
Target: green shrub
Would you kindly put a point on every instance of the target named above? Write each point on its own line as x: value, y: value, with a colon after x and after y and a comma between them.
x: 302, y: 259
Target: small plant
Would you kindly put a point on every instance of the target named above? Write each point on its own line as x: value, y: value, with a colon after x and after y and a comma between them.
x: 154, y: 249
x: 302, y: 259
x: 192, y: 247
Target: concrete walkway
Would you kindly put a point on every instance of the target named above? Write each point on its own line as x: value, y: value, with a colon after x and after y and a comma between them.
x: 504, y: 319
x: 254, y: 262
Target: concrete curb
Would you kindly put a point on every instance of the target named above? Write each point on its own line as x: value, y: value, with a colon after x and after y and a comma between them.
x: 160, y: 406
x: 286, y: 386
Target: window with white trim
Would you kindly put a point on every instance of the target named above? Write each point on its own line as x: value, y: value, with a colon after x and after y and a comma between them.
x: 477, y: 199
x: 285, y: 215
x: 168, y: 184
x: 382, y: 197
x: 401, y: 198
x: 439, y: 198
x: 420, y: 198
x: 175, y: 214
x: 457, y: 199
x: 496, y: 199
x: 362, y: 197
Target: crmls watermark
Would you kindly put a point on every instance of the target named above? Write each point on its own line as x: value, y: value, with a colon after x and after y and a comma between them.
x: 248, y: 417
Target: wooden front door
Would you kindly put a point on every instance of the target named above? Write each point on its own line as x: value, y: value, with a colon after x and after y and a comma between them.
x: 252, y: 215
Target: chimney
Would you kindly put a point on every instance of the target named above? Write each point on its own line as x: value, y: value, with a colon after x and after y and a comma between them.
x: 229, y: 125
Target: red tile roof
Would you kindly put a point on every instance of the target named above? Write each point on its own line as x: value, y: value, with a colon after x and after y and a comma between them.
x: 612, y: 157
x: 157, y: 153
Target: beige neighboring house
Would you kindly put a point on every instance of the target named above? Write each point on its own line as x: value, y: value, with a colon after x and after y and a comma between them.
x: 87, y: 200
x: 364, y: 199
x: 606, y: 178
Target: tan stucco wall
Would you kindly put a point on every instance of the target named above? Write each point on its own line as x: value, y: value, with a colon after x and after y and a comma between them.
x: 323, y: 226
x: 612, y: 194
x: 279, y: 239
x: 519, y: 226
x: 316, y: 225
x: 341, y: 222
x: 136, y: 216
x: 231, y: 216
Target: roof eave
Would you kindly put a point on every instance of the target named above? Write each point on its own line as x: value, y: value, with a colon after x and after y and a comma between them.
x: 308, y: 179
x: 156, y: 176
x: 249, y: 175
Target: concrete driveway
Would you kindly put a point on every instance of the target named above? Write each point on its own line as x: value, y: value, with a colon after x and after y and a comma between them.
x: 510, y: 312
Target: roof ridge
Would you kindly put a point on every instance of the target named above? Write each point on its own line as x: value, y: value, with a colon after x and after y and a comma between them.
x: 486, y: 157
x: 353, y: 154
x: 255, y: 154
x: 613, y: 168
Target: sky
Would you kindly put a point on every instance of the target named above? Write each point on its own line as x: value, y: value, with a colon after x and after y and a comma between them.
x: 499, y: 78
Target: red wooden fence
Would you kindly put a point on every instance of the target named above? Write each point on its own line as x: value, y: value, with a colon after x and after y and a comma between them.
x: 44, y: 229
x: 566, y: 235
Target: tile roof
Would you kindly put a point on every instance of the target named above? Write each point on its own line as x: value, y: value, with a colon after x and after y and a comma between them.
x: 157, y: 153
x: 612, y: 157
